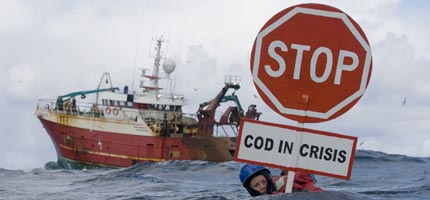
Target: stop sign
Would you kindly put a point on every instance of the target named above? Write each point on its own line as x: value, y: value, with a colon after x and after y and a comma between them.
x: 311, y: 63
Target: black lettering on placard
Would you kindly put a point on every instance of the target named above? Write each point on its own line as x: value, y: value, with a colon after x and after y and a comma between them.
x: 268, y: 145
x: 248, y: 144
x: 284, y: 146
x: 334, y: 155
x: 314, y: 151
x: 321, y: 153
x: 259, y: 142
x: 328, y: 155
x: 342, y: 156
x: 303, y: 151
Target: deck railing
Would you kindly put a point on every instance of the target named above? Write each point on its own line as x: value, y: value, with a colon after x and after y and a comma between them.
x: 100, y: 111
x: 82, y: 109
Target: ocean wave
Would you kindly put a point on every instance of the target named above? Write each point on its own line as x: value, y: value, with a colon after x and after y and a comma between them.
x: 211, y: 197
x: 377, y: 156
x: 399, y: 191
x: 9, y: 172
x: 375, y: 175
x: 326, y: 195
x: 391, y: 192
x: 343, y: 184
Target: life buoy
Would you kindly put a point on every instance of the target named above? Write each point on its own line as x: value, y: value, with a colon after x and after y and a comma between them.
x: 115, y: 111
x: 108, y: 110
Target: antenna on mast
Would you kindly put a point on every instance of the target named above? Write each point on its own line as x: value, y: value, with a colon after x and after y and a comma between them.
x: 137, y: 51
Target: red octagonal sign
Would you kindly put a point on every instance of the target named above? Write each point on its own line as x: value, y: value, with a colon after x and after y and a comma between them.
x: 311, y: 63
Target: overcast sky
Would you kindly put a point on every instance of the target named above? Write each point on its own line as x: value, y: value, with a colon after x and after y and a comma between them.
x: 48, y: 48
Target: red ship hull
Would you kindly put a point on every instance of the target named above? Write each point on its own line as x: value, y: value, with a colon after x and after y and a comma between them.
x: 83, y: 147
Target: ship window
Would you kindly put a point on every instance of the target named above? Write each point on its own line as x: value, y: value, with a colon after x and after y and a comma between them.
x: 115, y: 103
x: 151, y: 106
x: 130, y: 98
x: 122, y: 103
x: 130, y: 104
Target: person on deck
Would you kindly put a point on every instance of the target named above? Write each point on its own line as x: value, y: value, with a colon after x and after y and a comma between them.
x: 73, y: 104
x: 258, y: 181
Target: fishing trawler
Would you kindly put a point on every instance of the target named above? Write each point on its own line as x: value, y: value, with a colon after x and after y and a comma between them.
x: 122, y: 128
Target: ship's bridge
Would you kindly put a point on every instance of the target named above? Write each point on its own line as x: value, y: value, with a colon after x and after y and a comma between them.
x: 142, y: 98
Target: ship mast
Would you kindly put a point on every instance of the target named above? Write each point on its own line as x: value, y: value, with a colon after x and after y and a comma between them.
x: 154, y: 80
x: 154, y: 87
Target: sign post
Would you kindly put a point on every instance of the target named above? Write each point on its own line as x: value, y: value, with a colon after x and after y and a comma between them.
x: 310, y: 63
